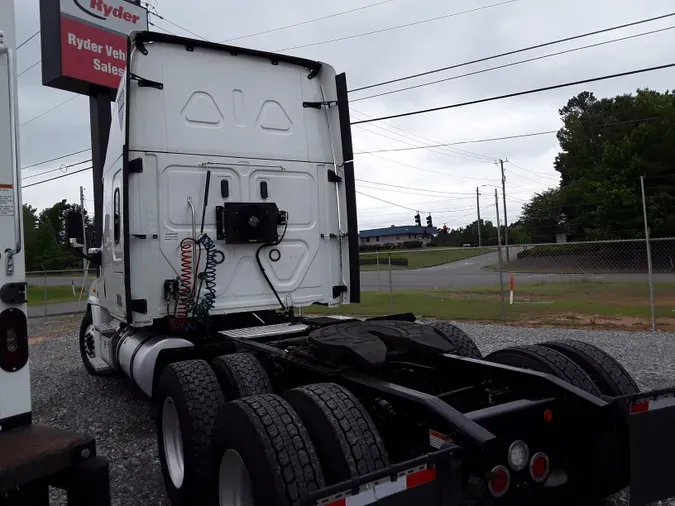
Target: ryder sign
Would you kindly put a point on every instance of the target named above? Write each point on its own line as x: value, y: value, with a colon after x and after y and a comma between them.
x: 84, y: 42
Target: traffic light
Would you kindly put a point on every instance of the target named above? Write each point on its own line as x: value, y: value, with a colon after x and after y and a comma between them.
x: 429, y: 223
x: 418, y: 220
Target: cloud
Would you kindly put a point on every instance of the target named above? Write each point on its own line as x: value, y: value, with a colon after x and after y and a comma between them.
x: 389, y: 55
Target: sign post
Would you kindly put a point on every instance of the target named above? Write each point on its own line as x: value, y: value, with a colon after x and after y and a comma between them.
x: 84, y: 50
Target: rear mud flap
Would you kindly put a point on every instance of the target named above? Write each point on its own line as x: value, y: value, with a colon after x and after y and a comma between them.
x: 651, y: 423
x: 431, y: 480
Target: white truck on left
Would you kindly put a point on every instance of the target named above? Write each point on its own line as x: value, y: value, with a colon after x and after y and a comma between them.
x: 32, y: 457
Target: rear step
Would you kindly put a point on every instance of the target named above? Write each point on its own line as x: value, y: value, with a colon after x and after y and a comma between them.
x: 279, y: 329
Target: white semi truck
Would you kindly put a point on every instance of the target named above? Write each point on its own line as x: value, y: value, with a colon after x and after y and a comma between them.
x: 32, y: 457
x: 229, y: 203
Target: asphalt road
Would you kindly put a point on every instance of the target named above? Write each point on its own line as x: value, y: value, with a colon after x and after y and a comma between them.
x: 463, y: 273
x: 471, y: 272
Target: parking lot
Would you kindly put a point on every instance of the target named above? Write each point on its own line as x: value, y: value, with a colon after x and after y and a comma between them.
x: 121, y: 418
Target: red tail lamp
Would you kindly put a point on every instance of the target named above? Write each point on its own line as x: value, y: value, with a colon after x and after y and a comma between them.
x: 499, y: 481
x: 540, y: 467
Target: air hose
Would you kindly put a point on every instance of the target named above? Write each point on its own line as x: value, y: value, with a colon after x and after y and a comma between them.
x: 203, y: 303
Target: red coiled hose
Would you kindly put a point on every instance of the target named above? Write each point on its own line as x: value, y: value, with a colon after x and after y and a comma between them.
x: 185, y: 289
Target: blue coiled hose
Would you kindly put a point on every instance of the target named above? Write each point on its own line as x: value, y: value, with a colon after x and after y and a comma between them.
x: 203, y: 303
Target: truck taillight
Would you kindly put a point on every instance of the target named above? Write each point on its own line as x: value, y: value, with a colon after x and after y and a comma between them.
x: 539, y: 467
x: 13, y: 340
x: 499, y: 481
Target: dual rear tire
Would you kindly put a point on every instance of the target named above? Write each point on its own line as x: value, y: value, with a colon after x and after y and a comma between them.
x: 218, y: 422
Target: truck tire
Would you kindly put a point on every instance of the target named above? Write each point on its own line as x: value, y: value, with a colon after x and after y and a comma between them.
x: 241, y: 375
x: 547, y: 360
x: 612, y: 380
x: 263, y: 455
x: 344, y: 435
x: 188, y: 400
x: 459, y: 339
x: 606, y: 372
x: 87, y: 345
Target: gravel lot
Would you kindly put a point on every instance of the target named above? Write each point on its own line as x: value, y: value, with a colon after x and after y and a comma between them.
x: 120, y: 417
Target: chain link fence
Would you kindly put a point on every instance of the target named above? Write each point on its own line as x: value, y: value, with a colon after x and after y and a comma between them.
x: 605, y: 283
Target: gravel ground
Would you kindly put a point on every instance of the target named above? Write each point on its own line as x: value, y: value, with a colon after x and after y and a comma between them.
x: 120, y: 418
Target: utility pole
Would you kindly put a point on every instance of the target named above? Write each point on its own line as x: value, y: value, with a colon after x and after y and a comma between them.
x: 499, y: 256
x: 506, y: 220
x: 480, y: 239
x: 649, y: 255
x: 84, y: 230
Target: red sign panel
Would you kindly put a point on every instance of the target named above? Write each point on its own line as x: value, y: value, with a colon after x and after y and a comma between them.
x: 84, y: 42
x: 92, y: 54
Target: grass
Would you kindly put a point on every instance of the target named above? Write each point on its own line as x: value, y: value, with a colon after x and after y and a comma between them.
x: 424, y: 258
x: 55, y: 294
x: 573, y: 303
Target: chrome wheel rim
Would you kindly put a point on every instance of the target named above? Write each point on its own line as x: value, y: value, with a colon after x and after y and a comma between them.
x: 173, y: 442
x: 89, y: 342
x: 234, y: 484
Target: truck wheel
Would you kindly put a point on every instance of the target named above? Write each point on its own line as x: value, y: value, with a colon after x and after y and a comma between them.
x: 263, y: 455
x: 546, y: 360
x: 188, y: 400
x: 459, y: 339
x: 241, y: 375
x: 344, y: 435
x: 87, y: 346
x: 605, y: 371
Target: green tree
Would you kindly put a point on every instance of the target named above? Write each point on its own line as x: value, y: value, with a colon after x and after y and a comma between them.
x: 543, y: 217
x: 606, y: 145
x: 30, y: 225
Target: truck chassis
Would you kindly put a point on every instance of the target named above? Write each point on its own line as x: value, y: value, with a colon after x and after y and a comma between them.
x: 443, y: 424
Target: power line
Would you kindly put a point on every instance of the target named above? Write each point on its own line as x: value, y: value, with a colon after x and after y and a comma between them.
x: 475, y: 141
x: 409, y: 188
x: 517, y: 94
x: 515, y: 51
x: 55, y: 159
x: 27, y: 40
x: 512, y: 64
x: 306, y: 22
x: 178, y: 26
x: 387, y: 201
x: 530, y: 171
x: 29, y: 68
x: 65, y: 167
x: 431, y: 171
x: 50, y: 110
x: 55, y: 178
x: 410, y: 192
x: 432, y: 150
x: 418, y: 136
x: 162, y: 28
x: 382, y: 30
x: 493, y: 139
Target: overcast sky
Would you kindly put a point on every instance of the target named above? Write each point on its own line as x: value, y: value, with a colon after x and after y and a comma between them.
x: 388, y: 55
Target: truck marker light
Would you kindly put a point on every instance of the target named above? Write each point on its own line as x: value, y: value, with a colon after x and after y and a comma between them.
x: 539, y: 467
x: 519, y: 454
x: 499, y: 481
x: 370, y: 493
